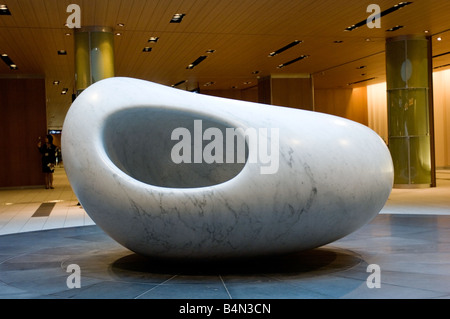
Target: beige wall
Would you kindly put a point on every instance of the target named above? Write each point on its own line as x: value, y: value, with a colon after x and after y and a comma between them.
x: 293, y: 92
x: 250, y: 94
x: 441, y: 83
x: 347, y: 103
x: 377, y: 109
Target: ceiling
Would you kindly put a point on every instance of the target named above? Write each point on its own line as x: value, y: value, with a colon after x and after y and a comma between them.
x: 241, y: 33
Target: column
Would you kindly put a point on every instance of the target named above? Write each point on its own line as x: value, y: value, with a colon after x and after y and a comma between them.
x: 291, y: 90
x: 410, y: 120
x: 94, y: 56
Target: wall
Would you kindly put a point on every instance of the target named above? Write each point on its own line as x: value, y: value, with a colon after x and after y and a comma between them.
x: 441, y: 96
x: 347, y: 103
x: 377, y: 109
x: 250, y: 94
x: 22, y: 120
x: 293, y: 92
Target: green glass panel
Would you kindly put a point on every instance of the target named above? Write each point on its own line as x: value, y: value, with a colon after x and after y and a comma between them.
x: 395, y: 57
x: 407, y: 77
x: 399, y: 148
x: 102, y: 55
x: 82, y: 60
x: 411, y: 159
x: 417, y: 54
x: 408, y: 112
x: 420, y: 160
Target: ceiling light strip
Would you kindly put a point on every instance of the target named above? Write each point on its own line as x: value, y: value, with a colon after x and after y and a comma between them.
x: 290, y: 45
x: 196, y: 62
x: 397, y: 27
x: 9, y: 62
x: 441, y: 66
x: 292, y: 61
x: 357, y: 82
x: 382, y: 14
x: 179, y: 83
x: 442, y: 54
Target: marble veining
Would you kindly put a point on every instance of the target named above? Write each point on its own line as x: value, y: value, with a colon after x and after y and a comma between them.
x: 329, y: 176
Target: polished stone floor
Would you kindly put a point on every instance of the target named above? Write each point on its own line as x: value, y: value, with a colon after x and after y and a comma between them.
x: 409, y: 241
x: 412, y: 252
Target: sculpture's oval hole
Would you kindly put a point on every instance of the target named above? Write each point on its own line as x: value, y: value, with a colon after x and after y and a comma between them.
x: 152, y: 145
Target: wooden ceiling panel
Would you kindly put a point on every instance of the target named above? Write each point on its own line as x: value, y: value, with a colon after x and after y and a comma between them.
x: 243, y: 33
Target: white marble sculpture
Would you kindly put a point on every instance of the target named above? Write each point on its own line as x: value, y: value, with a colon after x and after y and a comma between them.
x: 145, y: 162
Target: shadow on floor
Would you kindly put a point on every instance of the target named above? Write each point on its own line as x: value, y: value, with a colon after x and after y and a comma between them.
x: 318, y: 261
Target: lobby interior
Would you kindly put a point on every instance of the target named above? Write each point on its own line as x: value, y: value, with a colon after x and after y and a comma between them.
x: 310, y: 59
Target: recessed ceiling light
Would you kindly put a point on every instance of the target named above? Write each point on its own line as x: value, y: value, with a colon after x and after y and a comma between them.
x: 118, y: 34
x: 439, y: 39
x: 120, y: 25
x: 290, y: 45
x: 62, y: 52
x: 153, y: 39
x: 177, y: 18
x: 68, y: 34
x: 64, y: 91
x: 13, y: 67
x: 4, y: 11
x: 147, y: 49
x: 255, y: 72
x: 210, y: 51
x: 353, y: 26
x: 56, y: 82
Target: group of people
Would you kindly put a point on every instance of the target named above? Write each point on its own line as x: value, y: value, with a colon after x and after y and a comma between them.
x: 50, y: 155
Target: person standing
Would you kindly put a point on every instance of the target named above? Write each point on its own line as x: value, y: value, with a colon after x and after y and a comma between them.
x: 48, y: 152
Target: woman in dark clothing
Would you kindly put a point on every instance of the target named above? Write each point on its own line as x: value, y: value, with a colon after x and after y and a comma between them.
x: 48, y: 151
